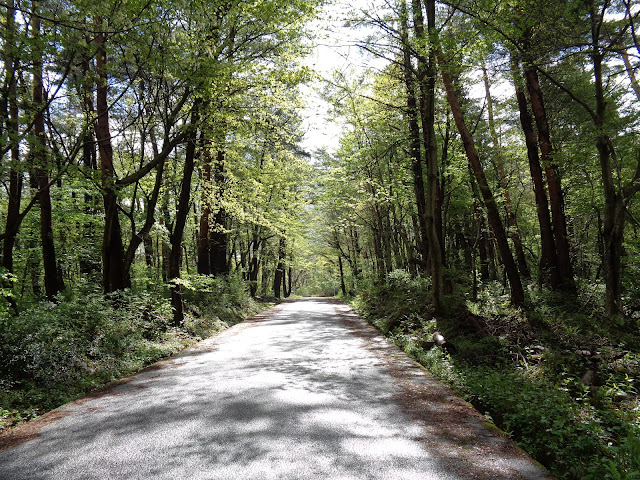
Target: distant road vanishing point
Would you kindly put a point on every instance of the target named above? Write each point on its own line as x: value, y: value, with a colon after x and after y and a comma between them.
x: 306, y: 390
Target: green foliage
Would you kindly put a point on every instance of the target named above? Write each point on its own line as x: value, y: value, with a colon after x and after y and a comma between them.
x: 543, y: 419
x: 625, y: 464
x: 401, y: 303
x: 213, y: 303
x: 51, y: 353
x: 7, y: 280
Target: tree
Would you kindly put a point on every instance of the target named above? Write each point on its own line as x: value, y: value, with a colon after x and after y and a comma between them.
x: 177, y: 232
x: 114, y: 276
x: 13, y: 139
x: 517, y: 292
x: 52, y: 280
x: 428, y: 128
x: 502, y: 177
x: 548, y: 262
x: 556, y: 197
x: 617, y: 193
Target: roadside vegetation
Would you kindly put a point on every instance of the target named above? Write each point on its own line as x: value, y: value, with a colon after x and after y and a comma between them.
x: 52, y: 353
x: 555, y: 375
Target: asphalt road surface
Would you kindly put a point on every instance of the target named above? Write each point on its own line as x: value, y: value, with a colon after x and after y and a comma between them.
x: 307, y: 390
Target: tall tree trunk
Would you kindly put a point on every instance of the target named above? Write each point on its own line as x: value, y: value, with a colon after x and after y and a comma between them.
x: 204, y: 268
x: 286, y: 284
x: 517, y: 292
x: 548, y: 259
x: 504, y: 184
x: 380, y: 267
x: 343, y: 287
x: 400, y: 250
x: 414, y: 137
x: 254, y: 266
x: 616, y: 199
x: 165, y: 247
x: 279, y: 274
x: 217, y: 233
x: 89, y: 262
x: 427, y: 80
x: 149, y: 254
x: 264, y: 287
x: 355, y: 242
x: 385, y: 228
x: 181, y: 219
x: 218, y: 237
x: 440, y: 210
x: 114, y: 276
x: 383, y: 250
x: 15, y: 174
x: 482, y: 239
x: 52, y: 283
x: 556, y: 197
x: 474, y: 269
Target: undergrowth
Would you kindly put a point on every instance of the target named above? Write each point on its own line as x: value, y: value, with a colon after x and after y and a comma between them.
x: 557, y: 376
x: 52, y: 353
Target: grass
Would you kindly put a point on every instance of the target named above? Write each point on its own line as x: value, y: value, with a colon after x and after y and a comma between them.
x: 558, y: 376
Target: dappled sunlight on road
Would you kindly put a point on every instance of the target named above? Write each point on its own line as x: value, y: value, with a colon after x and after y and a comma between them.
x: 290, y: 395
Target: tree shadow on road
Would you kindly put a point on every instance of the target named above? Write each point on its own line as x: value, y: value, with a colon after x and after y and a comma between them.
x: 289, y: 395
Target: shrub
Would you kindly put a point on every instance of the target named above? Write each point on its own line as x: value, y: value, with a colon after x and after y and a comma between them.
x: 625, y: 464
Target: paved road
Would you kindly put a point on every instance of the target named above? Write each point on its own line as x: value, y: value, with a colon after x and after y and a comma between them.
x: 305, y: 391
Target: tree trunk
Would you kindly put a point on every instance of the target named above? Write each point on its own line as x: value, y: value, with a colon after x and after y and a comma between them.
x: 428, y: 83
x: 204, y: 268
x: 517, y: 292
x: 400, y: 241
x: 483, y: 237
x: 150, y: 208
x: 165, y: 248
x: 149, y: 254
x: 385, y: 228
x: 504, y: 184
x: 556, y: 197
x: 481, y: 241
x: 90, y: 259
x: 266, y: 274
x: 286, y: 284
x: 254, y: 266
x: 279, y: 274
x: 181, y: 220
x: 114, y: 276
x: 15, y: 175
x: 355, y: 242
x: 615, y: 199
x: 52, y: 283
x: 440, y: 210
x: 383, y: 267
x: 343, y: 287
x: 414, y: 138
x: 218, y: 237
x: 548, y: 259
